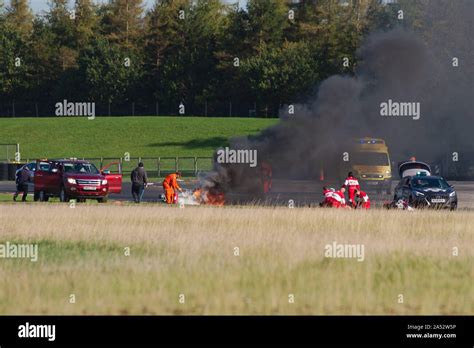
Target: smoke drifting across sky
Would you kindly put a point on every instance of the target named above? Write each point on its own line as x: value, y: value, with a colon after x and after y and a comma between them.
x: 403, y: 65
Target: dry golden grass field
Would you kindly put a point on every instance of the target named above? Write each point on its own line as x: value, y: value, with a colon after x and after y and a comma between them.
x: 189, y: 255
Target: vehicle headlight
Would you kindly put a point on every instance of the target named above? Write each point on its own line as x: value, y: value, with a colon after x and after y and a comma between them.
x: 104, y: 182
x: 420, y: 194
x: 71, y: 181
x: 387, y: 172
x: 452, y: 194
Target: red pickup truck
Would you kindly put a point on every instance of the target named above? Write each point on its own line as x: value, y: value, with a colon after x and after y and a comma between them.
x: 74, y: 179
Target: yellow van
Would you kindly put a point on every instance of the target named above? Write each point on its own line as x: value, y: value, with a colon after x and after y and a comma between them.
x: 369, y: 161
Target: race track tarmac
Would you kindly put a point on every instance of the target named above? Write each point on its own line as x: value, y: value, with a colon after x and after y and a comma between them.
x: 301, y: 192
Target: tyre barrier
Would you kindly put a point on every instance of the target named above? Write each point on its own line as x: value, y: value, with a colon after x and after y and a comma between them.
x: 3, y: 171
x: 8, y: 171
x: 12, y: 167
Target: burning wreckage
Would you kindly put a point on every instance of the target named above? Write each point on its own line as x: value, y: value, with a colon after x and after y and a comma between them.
x: 229, y: 183
x: 417, y: 188
x: 342, y: 107
x: 199, y: 196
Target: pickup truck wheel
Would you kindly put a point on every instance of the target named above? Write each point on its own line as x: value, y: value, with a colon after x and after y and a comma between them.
x: 102, y: 200
x: 63, y: 197
x: 36, y: 196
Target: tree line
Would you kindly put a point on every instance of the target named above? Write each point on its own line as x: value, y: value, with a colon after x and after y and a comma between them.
x: 189, y: 52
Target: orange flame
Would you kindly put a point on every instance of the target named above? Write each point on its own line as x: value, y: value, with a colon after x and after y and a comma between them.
x: 209, y: 197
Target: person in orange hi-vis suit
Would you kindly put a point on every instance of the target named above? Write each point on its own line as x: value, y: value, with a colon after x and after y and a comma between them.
x: 170, y: 184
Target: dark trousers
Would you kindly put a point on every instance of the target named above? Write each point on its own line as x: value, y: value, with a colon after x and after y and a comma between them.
x: 137, y: 192
x: 21, y: 188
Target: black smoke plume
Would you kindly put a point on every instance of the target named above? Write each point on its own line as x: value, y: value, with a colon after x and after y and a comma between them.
x: 404, y: 65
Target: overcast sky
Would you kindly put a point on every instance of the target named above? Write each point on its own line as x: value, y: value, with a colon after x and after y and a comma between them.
x: 40, y: 5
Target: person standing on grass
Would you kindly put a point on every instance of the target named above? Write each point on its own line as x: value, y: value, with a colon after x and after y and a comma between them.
x: 170, y: 186
x: 22, y: 178
x: 139, y: 180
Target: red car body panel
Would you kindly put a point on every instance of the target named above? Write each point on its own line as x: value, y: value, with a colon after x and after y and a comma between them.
x: 114, y: 179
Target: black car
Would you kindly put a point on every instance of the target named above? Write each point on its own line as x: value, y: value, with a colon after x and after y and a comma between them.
x: 426, y: 191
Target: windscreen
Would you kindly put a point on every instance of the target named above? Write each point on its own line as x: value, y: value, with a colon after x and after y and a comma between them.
x: 80, y: 168
x: 423, y: 183
x: 370, y: 158
x: 44, y: 166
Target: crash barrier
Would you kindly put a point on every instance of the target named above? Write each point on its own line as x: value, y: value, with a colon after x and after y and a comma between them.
x: 156, y: 167
x: 8, y: 170
x: 3, y: 171
x: 9, y: 152
x: 228, y: 108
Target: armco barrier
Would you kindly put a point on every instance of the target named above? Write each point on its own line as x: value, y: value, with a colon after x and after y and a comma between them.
x: 3, y: 171
x: 12, y: 167
x: 156, y: 167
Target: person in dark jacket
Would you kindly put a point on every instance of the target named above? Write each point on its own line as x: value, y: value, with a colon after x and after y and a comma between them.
x: 139, y: 182
x: 22, y: 178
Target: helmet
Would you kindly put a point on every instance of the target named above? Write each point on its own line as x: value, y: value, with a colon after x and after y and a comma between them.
x: 401, y: 204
